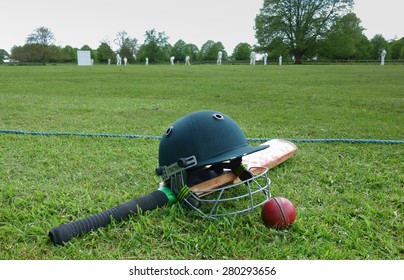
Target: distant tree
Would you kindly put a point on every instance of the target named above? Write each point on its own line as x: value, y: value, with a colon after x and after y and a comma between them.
x: 29, y: 53
x: 104, y: 52
x: 242, y: 51
x: 193, y: 51
x: 342, y: 39
x: 92, y: 52
x: 165, y: 52
x: 128, y: 46
x: 57, y: 55
x: 363, y: 48
x: 205, y: 51
x: 151, y: 51
x: 142, y: 54
x: 218, y: 46
x: 156, y: 47
x: 33, y: 53
x: 210, y: 49
x: 154, y: 53
x: 86, y: 48
x: 160, y: 38
x: 378, y: 43
x: 397, y: 48
x: 179, y: 50
x: 43, y: 37
x: 16, y: 53
x: 71, y: 53
x: 298, y: 23
x: 3, y: 55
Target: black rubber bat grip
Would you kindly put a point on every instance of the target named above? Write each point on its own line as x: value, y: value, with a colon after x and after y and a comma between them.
x: 65, y: 232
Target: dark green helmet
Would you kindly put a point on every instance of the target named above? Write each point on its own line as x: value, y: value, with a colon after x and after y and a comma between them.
x: 201, y: 146
x: 210, y: 136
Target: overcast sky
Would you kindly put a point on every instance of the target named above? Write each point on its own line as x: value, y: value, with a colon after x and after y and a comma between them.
x: 80, y: 22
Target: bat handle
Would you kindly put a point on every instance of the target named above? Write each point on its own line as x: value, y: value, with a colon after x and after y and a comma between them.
x: 65, y: 232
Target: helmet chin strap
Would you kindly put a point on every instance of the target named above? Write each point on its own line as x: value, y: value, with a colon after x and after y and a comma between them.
x: 179, y: 186
x: 179, y: 181
x: 239, y: 169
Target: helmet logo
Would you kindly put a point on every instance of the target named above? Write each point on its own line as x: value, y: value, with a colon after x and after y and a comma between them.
x: 218, y: 116
x: 169, y: 130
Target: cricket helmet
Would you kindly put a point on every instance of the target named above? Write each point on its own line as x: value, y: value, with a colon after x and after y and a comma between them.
x: 201, y: 146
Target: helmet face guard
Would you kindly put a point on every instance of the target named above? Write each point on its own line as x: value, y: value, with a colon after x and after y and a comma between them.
x: 233, y: 197
x: 201, y: 146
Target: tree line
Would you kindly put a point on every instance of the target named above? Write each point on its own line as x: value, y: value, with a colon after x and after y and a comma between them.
x: 295, y: 29
x: 40, y: 48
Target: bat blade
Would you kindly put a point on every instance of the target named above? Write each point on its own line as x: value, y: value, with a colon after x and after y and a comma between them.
x: 278, y: 151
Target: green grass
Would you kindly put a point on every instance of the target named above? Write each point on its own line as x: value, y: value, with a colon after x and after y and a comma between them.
x: 349, y: 197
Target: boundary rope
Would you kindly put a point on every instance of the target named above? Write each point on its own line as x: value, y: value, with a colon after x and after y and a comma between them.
x: 135, y: 136
x: 78, y: 134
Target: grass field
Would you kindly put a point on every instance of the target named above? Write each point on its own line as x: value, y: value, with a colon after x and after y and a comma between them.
x: 349, y: 196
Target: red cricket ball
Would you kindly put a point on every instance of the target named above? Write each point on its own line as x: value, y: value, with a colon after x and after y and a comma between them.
x: 278, y: 212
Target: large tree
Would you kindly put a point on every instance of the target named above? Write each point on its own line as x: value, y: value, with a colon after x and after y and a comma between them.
x: 298, y: 23
x: 42, y: 37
